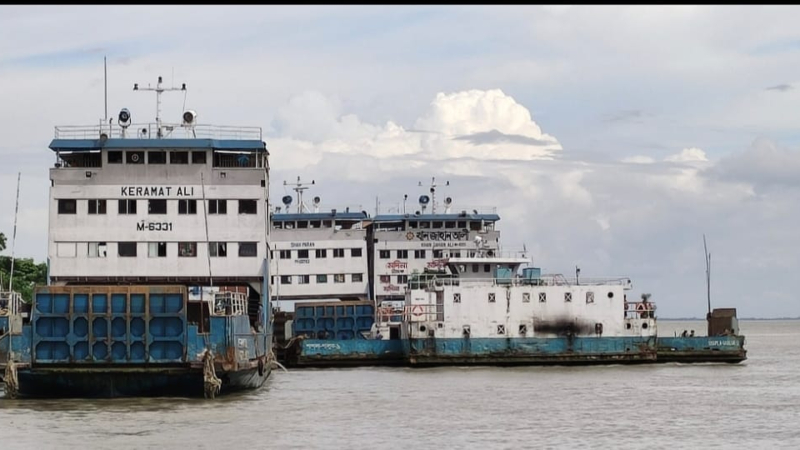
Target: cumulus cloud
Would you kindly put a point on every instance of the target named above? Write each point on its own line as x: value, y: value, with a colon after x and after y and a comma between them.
x: 638, y: 160
x: 692, y: 154
x: 765, y: 164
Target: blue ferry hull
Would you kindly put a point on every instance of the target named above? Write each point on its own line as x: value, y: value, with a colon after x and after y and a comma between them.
x: 321, y: 352
x: 532, y: 351
x: 728, y: 349
x: 474, y: 351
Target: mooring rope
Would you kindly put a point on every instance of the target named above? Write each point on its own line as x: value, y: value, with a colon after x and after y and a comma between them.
x: 10, y: 378
x: 211, y: 384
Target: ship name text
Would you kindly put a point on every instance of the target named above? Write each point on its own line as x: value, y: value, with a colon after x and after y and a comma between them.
x: 156, y: 191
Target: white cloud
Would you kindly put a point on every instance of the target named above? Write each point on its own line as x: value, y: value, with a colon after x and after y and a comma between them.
x: 692, y: 154
x: 638, y: 160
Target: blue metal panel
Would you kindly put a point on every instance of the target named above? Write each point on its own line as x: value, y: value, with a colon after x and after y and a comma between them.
x: 114, y: 144
x: 514, y: 348
x: 354, y: 349
x: 335, y: 320
x: 402, y: 217
x: 81, y: 325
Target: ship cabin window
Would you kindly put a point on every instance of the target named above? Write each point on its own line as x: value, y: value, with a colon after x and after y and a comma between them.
x: 156, y: 249
x: 277, y: 225
x: 475, y: 268
x: 526, y: 297
x: 327, y: 223
x: 457, y: 297
x: 67, y: 206
x: 437, y: 224
x: 475, y: 225
x: 187, y: 206
x: 358, y: 277
x: 218, y: 206
x: 487, y: 268
x: 179, y: 157
x: 438, y: 253
x: 402, y: 254
x: 338, y: 278
x: 127, y: 206
x: 590, y: 297
x: 198, y: 157
x: 247, y: 206
x: 424, y: 224
x: 303, y: 279
x: 455, y: 254
x: 542, y: 297
x: 286, y: 254
x: 321, y: 253
x: 286, y: 279
x: 338, y: 253
x: 97, y: 206
x: 288, y: 225
x: 402, y: 279
x: 114, y: 157
x: 315, y: 224
x: 488, y: 226
x: 322, y: 279
x: 156, y: 206
x: 355, y: 252
x: 450, y: 224
x: 81, y: 159
x: 132, y: 157
x: 302, y: 224
x: 218, y: 249
x: 97, y: 250
x: 384, y: 254
x: 419, y: 254
x: 187, y: 249
x: 568, y: 297
x: 462, y: 224
x: 413, y: 224
x: 126, y: 249
x: 157, y: 157
x: 492, y: 297
x: 386, y: 279
x: 302, y: 254
x: 227, y: 158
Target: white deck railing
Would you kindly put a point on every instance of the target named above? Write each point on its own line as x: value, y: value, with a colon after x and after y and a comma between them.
x: 544, y: 280
x: 150, y: 131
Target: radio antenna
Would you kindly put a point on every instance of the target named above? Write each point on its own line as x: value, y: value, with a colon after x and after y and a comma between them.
x: 159, y: 90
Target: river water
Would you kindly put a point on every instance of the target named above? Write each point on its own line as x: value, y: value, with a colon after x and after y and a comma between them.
x: 755, y: 404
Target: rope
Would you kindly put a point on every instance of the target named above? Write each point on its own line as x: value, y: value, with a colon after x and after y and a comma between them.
x: 211, y: 384
x: 10, y: 378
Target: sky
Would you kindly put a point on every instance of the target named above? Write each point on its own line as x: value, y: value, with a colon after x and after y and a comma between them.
x: 611, y: 138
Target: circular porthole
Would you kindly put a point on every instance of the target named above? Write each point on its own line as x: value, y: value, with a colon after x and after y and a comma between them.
x: 610, y: 295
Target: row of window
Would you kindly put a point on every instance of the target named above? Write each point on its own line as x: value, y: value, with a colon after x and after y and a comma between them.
x: 401, y: 279
x: 422, y: 254
x: 156, y: 157
x: 155, y: 249
x: 318, y: 253
x: 321, y: 278
x: 473, y: 225
x: 526, y: 297
x: 156, y: 206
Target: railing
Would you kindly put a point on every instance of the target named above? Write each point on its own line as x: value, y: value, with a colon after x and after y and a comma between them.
x: 230, y: 304
x: 412, y: 207
x: 544, y: 280
x: 150, y: 131
x: 10, y: 303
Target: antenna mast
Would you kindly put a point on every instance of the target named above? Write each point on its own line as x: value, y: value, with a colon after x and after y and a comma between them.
x: 14, y: 237
x: 105, y: 86
x: 159, y: 90
x: 299, y: 188
x: 708, y: 274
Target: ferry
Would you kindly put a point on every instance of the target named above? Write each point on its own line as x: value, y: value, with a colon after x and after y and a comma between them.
x: 489, y: 309
x: 158, y: 258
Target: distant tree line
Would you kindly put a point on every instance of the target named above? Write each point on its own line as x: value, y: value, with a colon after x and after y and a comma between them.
x: 27, y: 274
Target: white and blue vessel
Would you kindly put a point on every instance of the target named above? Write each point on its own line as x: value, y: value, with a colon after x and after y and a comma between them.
x: 158, y: 264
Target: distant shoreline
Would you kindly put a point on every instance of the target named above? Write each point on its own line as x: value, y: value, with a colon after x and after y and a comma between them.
x: 740, y: 318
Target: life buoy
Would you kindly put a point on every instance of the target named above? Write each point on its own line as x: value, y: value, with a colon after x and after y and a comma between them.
x: 417, y: 310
